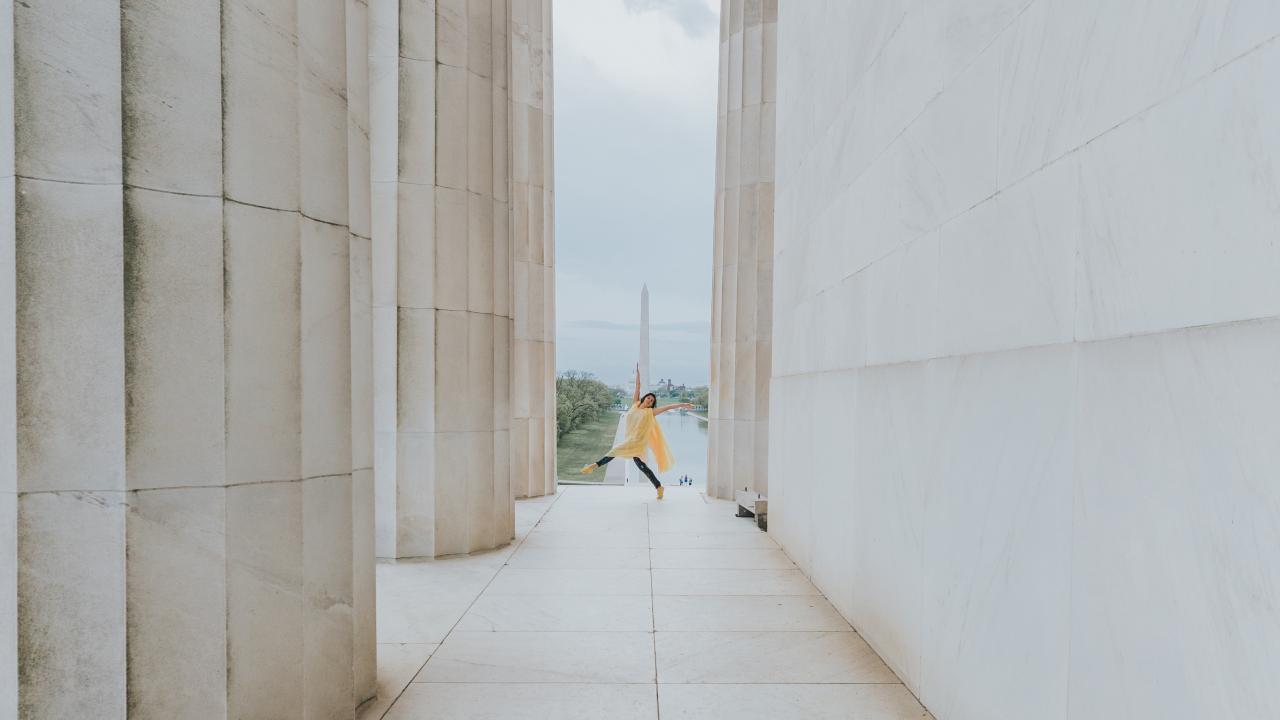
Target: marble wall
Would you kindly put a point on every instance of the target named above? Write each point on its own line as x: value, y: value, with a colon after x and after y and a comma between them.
x: 462, y: 282
x: 742, y: 278
x: 1025, y: 338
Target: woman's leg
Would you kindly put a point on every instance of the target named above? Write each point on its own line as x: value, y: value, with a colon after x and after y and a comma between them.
x: 597, y: 464
x: 647, y: 472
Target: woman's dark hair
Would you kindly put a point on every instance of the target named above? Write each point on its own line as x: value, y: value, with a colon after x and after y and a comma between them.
x: 642, y: 397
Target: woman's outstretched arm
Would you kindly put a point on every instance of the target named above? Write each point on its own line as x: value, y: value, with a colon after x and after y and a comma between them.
x: 635, y: 397
x: 664, y: 408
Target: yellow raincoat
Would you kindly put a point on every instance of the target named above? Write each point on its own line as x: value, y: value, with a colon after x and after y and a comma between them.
x: 643, y: 432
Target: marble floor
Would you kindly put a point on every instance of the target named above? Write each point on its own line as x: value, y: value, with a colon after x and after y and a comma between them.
x: 610, y: 604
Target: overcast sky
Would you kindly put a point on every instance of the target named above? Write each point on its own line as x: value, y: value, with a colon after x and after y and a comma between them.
x: 635, y: 124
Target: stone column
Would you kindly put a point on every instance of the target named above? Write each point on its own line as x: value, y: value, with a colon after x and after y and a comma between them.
x: 70, y: 369
x: 361, y: 253
x: 8, y: 461
x: 742, y: 295
x: 445, y: 135
x: 184, y: 394
x: 176, y: 372
x: 533, y: 459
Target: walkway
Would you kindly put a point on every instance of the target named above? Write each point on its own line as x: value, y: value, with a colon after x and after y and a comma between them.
x: 561, y: 624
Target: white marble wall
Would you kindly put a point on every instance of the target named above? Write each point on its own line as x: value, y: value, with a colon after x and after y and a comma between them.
x: 183, y: 282
x: 1025, y: 345
x: 461, y: 270
x: 742, y: 279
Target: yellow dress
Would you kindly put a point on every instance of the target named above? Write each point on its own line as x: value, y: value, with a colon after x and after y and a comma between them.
x: 643, y: 432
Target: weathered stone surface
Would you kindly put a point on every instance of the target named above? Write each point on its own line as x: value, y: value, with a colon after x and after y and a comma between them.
x: 261, y: 298
x: 260, y: 103
x: 452, y: 271
x: 189, y: 360
x: 328, y: 677
x: 9, y: 595
x: 70, y: 337
x: 532, y: 238
x: 266, y: 605
x: 363, y: 591
x: 177, y: 607
x: 71, y: 604
x: 67, y: 88
x: 175, y: 431
x: 172, y: 85
x: 264, y: 410
x: 326, y: 349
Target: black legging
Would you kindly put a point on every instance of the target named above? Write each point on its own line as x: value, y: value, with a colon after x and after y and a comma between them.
x: 639, y: 463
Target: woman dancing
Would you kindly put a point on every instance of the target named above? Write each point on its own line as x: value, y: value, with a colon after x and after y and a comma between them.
x: 643, y: 432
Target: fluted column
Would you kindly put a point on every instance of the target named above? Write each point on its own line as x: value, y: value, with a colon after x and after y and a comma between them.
x: 361, y: 252
x: 742, y: 296
x: 184, y: 399
x: 442, y: 142
x: 70, y: 367
x: 8, y: 389
x: 533, y: 238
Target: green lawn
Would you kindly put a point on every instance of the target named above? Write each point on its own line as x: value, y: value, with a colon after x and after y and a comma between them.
x: 586, y: 445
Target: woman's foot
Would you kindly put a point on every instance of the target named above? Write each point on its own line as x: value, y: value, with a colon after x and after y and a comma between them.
x: 588, y: 469
x: 660, y: 489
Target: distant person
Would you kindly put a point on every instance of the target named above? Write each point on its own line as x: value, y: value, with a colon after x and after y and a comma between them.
x: 643, y: 432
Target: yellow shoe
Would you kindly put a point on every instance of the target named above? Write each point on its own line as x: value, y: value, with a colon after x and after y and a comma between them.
x: 588, y: 469
x: 660, y: 491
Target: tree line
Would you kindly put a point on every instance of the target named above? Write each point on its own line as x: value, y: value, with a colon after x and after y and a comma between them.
x: 580, y: 398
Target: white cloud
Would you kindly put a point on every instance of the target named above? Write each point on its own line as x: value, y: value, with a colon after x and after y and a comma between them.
x: 635, y: 123
x: 646, y: 47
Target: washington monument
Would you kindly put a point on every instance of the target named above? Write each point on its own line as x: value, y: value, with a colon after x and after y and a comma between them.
x: 615, y: 473
x: 644, y: 338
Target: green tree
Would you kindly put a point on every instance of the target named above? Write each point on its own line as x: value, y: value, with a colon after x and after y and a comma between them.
x: 698, y: 396
x: 580, y: 397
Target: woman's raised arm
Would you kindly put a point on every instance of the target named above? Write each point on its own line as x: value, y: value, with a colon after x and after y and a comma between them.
x: 664, y: 408
x: 635, y: 397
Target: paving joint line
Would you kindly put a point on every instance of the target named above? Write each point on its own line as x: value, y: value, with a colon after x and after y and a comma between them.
x: 653, y: 616
x: 514, y: 548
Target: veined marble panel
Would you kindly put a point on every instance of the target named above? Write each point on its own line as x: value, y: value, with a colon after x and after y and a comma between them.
x: 1007, y: 274
x: 1018, y: 265
x: 894, y: 436
x: 1072, y: 70
x: 996, y: 535
x: 1174, y: 578
x: 1179, y: 239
